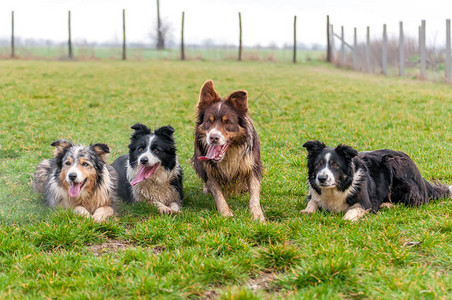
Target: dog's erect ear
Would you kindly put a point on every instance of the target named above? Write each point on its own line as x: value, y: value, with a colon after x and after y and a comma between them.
x: 207, y: 95
x: 60, y: 146
x: 100, y: 149
x: 314, y: 146
x: 347, y: 151
x: 165, y: 130
x: 140, y: 129
x: 239, y: 100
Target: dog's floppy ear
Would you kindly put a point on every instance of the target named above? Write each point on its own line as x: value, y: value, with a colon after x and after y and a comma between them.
x: 165, y: 130
x: 207, y: 95
x: 239, y: 100
x: 347, y: 151
x: 140, y: 129
x: 60, y: 146
x: 314, y: 146
x: 100, y: 149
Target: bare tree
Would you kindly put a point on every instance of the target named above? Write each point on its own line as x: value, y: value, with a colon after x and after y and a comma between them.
x: 160, y: 38
x: 166, y: 34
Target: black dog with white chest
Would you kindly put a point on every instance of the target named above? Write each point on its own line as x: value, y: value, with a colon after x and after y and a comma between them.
x: 343, y: 180
x: 151, y: 172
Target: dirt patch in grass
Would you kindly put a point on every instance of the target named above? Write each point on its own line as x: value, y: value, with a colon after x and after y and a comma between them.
x: 158, y: 249
x: 109, y: 247
x: 262, y: 283
x: 210, y: 294
x: 112, y: 246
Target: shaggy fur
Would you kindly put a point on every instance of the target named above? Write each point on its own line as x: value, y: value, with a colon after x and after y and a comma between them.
x: 77, y: 177
x: 343, y: 180
x: 227, y: 148
x: 151, y: 172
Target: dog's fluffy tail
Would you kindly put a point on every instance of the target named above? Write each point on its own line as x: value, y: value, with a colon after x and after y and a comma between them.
x: 436, y: 190
x: 408, y: 185
x: 41, y: 176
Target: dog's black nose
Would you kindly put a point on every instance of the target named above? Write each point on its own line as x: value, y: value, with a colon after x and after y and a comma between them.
x: 72, y: 176
x: 144, y: 160
x: 322, y: 178
x: 214, y: 138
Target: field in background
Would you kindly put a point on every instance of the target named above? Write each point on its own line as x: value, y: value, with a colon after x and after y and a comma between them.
x: 104, y: 53
x: 399, y: 253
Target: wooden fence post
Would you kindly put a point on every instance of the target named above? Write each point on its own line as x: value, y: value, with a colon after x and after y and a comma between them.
x: 295, y: 39
x: 368, y: 50
x: 419, y: 43
x: 355, y: 50
x: 342, y: 62
x: 332, y: 49
x: 384, y: 52
x: 448, y: 58
x: 123, y: 34
x: 401, y: 51
x: 13, y: 50
x: 328, y: 46
x: 69, y: 39
x: 240, y: 37
x: 182, y: 49
x: 423, y: 50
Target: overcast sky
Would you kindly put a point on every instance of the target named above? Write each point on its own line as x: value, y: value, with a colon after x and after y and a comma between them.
x: 264, y: 22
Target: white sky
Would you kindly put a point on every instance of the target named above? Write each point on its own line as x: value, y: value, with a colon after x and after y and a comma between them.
x: 264, y: 22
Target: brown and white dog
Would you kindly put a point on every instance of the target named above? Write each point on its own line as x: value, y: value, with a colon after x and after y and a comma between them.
x: 77, y: 177
x: 227, y: 148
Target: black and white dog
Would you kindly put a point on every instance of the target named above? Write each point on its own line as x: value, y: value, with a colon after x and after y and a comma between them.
x: 151, y: 172
x: 342, y: 180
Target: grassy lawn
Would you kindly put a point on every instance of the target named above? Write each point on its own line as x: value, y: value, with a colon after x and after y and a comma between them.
x: 56, y: 254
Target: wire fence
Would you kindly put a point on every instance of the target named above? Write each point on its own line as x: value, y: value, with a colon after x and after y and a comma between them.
x: 402, y: 55
x: 114, y: 52
x: 79, y: 49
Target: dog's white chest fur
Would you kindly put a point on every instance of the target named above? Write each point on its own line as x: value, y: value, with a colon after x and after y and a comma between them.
x: 158, y: 188
x: 334, y: 200
x: 330, y: 199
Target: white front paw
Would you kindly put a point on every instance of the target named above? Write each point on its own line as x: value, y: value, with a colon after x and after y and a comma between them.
x: 165, y: 210
x: 80, y: 210
x: 355, y: 214
x: 307, y: 211
x: 175, y: 207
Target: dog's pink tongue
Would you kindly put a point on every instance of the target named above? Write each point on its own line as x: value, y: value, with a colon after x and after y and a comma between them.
x: 75, y: 188
x: 144, y: 173
x: 211, y: 152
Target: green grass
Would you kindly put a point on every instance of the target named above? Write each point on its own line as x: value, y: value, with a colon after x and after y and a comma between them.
x: 56, y: 254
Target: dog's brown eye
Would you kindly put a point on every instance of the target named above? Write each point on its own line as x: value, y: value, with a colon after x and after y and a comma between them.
x: 68, y: 163
x: 318, y: 165
x: 228, y: 122
x: 156, y: 151
x: 209, y: 122
x: 85, y: 164
x: 334, y: 165
x: 140, y: 149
